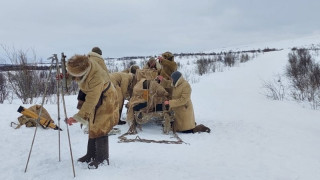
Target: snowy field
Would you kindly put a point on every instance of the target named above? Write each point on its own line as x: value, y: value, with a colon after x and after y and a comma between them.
x: 252, y: 137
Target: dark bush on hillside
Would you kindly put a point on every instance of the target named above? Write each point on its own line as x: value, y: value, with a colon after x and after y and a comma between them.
x: 230, y: 59
x: 23, y: 82
x: 204, y: 65
x: 314, y: 86
x: 23, y: 85
x: 298, y: 70
x: 314, y: 75
x: 304, y: 76
x: 244, y: 58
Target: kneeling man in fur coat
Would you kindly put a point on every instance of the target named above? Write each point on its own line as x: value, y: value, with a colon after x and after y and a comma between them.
x: 182, y: 105
x: 100, y: 110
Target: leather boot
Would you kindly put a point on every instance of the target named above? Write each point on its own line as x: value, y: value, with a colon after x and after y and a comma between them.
x: 201, y: 128
x: 102, y: 152
x: 90, y: 151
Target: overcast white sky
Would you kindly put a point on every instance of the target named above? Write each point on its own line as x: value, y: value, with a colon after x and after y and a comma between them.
x: 150, y: 27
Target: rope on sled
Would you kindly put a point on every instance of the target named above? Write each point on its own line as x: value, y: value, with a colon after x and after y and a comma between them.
x: 124, y: 139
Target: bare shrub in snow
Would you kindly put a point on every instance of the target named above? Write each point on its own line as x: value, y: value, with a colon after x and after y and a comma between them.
x: 10, y: 97
x: 218, y: 65
x: 41, y: 80
x: 244, y: 58
x: 204, y: 65
x: 304, y: 76
x: 24, y: 81
x: 230, y: 59
x: 297, y: 71
x: 314, y: 86
x: 274, y: 89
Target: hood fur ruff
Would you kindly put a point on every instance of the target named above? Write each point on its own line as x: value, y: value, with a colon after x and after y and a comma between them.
x: 168, y: 55
x: 94, y: 54
x: 78, y: 65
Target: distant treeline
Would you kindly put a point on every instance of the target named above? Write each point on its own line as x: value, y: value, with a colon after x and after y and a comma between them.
x: 10, y: 67
x: 202, y: 54
x: 224, y: 53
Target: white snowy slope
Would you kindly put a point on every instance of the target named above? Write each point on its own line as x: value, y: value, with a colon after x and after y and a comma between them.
x: 252, y: 137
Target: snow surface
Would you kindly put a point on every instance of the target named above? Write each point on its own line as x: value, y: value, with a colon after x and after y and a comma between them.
x: 252, y: 137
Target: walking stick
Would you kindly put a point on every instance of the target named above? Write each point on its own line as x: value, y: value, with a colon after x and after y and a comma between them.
x: 63, y: 65
x: 58, y: 102
x: 65, y: 111
x: 38, y: 119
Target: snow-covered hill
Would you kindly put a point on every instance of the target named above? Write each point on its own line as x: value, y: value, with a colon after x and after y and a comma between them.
x: 252, y: 137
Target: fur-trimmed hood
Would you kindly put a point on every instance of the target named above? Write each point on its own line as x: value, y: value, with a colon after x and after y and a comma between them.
x: 94, y: 54
x: 168, y: 55
x: 78, y: 65
x: 157, y: 67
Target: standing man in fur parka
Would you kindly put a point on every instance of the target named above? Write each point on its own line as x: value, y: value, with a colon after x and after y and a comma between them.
x: 100, y: 109
x: 168, y: 65
x: 182, y: 106
x: 96, y: 54
x: 123, y: 83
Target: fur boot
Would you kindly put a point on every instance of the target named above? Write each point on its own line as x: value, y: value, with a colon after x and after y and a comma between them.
x: 91, y: 148
x: 102, y: 152
x: 201, y: 128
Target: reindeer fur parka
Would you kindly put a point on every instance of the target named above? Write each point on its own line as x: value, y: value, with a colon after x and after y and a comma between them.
x: 182, y: 106
x: 94, y: 81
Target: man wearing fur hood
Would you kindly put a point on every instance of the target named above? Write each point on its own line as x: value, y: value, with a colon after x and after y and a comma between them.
x: 153, y: 64
x: 168, y: 65
x: 96, y: 54
x: 100, y: 109
x: 182, y: 106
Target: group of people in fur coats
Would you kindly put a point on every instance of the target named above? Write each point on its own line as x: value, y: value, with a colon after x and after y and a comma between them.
x: 103, y: 95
